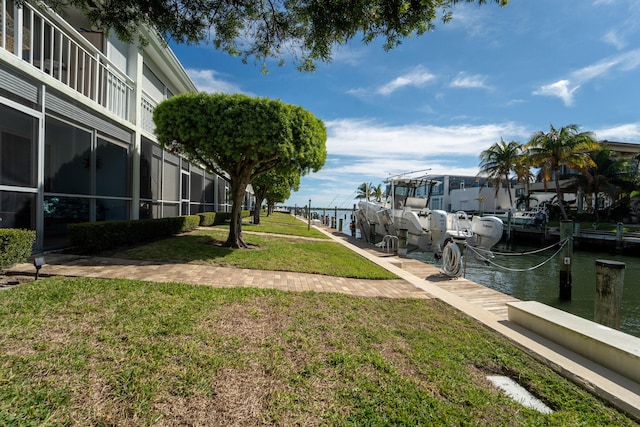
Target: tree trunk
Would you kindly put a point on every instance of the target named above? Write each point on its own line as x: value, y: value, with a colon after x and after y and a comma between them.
x: 506, y: 176
x: 238, y: 188
x: 559, y: 195
x: 257, y: 209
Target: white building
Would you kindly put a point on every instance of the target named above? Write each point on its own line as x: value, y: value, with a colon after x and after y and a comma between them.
x: 467, y: 193
x: 76, y: 129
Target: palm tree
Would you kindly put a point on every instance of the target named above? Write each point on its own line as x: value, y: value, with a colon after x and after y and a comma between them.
x: 364, y: 191
x: 561, y: 147
x: 498, y: 161
x: 524, y: 174
x: 609, y: 175
x: 377, y: 193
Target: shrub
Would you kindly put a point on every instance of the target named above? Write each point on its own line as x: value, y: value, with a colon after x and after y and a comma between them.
x: 222, y: 217
x: 207, y: 219
x: 15, y: 246
x: 93, y: 237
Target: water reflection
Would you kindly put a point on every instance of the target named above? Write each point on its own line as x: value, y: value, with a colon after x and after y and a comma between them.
x: 542, y: 284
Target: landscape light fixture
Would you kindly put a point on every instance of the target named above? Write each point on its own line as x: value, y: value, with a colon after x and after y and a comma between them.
x: 38, y: 262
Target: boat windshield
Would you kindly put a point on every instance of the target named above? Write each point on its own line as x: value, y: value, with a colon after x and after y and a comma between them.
x: 401, y: 188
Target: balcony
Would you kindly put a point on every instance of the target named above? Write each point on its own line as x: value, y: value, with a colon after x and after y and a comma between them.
x: 65, y: 54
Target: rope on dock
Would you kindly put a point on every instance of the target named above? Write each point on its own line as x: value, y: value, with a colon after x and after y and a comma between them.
x: 479, y: 255
x: 451, y: 260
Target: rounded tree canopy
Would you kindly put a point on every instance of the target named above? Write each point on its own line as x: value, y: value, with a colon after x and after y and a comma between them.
x: 241, y: 135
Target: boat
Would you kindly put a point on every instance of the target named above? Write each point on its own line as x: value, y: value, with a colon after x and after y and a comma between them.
x: 534, y: 217
x: 402, y: 214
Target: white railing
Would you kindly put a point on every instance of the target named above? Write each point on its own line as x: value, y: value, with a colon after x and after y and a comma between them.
x: 147, y: 105
x: 64, y: 55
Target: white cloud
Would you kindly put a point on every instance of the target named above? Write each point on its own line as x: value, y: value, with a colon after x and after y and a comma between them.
x: 370, y: 139
x: 209, y: 81
x: 614, y: 38
x: 462, y: 80
x: 350, y: 54
x: 418, y: 77
x: 626, y: 29
x: 628, y: 132
x: 605, y: 68
x: 559, y: 89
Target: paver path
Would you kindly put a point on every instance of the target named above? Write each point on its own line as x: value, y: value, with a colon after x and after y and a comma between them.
x: 106, y: 267
x: 102, y: 267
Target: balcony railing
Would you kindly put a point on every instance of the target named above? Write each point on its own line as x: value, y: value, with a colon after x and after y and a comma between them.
x: 64, y: 54
x: 147, y: 106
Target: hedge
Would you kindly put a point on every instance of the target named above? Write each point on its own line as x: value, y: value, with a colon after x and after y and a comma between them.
x: 208, y: 219
x: 15, y: 246
x: 93, y: 237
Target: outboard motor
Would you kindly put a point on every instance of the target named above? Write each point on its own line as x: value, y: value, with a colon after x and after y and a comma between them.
x: 487, y: 231
x: 438, y: 230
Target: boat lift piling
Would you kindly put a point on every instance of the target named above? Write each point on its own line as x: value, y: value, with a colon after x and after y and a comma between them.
x: 566, y: 232
x: 609, y: 285
x: 619, y: 234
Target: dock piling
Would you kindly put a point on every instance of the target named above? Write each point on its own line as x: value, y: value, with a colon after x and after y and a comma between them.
x: 566, y: 259
x: 609, y: 285
x: 619, y: 234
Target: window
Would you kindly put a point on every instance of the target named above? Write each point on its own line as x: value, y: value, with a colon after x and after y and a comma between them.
x: 17, y: 210
x: 60, y: 212
x: 112, y: 169
x: 197, y: 195
x: 67, y: 158
x: 18, y: 152
x: 171, y: 179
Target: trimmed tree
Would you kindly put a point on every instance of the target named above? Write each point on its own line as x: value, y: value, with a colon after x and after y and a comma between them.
x: 243, y: 137
x: 274, y: 186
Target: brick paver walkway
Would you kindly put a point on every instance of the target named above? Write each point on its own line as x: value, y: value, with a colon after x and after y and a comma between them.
x: 101, y: 267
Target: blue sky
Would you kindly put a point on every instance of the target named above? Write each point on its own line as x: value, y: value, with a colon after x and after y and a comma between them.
x: 438, y: 100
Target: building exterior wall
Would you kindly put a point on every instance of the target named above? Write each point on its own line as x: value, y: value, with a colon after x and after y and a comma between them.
x: 468, y: 193
x: 76, y: 134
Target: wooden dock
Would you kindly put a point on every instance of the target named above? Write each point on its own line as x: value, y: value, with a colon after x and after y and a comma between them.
x: 488, y: 299
x: 479, y: 295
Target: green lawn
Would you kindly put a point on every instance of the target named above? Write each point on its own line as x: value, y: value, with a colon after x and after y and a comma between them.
x: 127, y: 353
x: 280, y: 223
x: 298, y: 252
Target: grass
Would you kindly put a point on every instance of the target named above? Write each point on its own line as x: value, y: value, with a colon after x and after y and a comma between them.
x: 297, y: 252
x: 280, y: 223
x: 127, y: 353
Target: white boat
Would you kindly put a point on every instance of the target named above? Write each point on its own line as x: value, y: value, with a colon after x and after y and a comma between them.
x: 534, y: 217
x: 426, y: 230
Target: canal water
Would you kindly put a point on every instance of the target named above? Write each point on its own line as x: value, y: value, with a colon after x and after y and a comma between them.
x: 542, y: 284
x: 515, y: 277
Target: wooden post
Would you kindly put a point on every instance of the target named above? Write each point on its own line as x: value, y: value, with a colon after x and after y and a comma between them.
x: 619, y: 243
x: 576, y: 233
x: 340, y: 224
x: 402, y: 242
x: 509, y: 226
x: 309, y: 219
x: 566, y: 259
x: 609, y: 285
